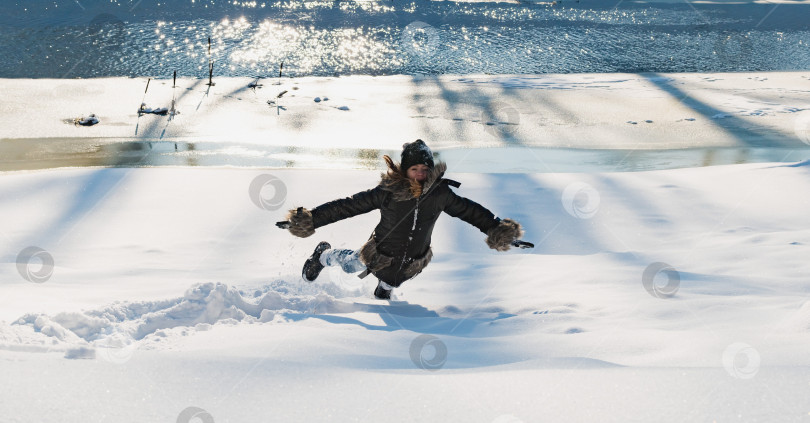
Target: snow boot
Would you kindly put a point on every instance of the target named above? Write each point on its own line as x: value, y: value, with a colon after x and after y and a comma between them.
x: 381, y: 293
x: 313, y: 266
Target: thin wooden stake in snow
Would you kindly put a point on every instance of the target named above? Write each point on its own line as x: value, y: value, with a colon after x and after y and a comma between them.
x: 144, y: 91
x: 174, y: 110
x: 210, y: 65
x: 280, y: 69
x: 211, y: 82
x: 140, y: 107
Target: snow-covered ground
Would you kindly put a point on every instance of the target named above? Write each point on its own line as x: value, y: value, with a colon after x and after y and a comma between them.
x: 142, y: 277
x: 165, y: 293
x: 156, y: 290
x: 614, y: 111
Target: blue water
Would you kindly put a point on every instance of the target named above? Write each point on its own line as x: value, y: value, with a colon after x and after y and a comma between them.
x: 83, y: 38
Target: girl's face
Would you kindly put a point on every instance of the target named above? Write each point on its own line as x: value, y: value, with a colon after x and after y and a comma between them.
x: 418, y: 172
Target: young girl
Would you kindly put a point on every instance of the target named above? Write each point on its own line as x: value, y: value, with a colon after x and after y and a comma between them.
x: 410, y: 197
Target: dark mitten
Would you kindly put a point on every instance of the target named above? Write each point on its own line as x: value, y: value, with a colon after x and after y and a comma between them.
x: 301, y: 224
x: 501, y: 237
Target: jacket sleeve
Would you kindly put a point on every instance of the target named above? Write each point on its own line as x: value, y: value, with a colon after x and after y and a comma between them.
x: 469, y: 211
x: 344, y: 208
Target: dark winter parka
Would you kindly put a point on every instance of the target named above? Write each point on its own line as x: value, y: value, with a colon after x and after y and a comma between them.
x: 399, y: 247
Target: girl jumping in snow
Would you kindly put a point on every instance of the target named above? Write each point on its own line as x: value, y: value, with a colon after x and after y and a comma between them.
x: 410, y: 197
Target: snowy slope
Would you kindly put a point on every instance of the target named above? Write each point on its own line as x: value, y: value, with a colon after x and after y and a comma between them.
x: 177, y: 291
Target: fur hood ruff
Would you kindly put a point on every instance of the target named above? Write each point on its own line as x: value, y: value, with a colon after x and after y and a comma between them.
x: 402, y: 188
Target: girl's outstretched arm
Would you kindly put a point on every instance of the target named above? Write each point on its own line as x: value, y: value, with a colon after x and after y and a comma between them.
x: 304, y: 223
x: 501, y: 234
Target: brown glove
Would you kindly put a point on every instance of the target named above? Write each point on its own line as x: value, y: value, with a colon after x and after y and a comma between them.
x: 301, y: 224
x: 502, y: 236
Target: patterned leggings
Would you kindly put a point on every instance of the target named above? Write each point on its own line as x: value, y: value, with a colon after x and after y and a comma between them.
x: 348, y: 260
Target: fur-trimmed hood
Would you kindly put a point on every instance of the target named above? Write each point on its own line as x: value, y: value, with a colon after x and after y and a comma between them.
x: 402, y: 188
